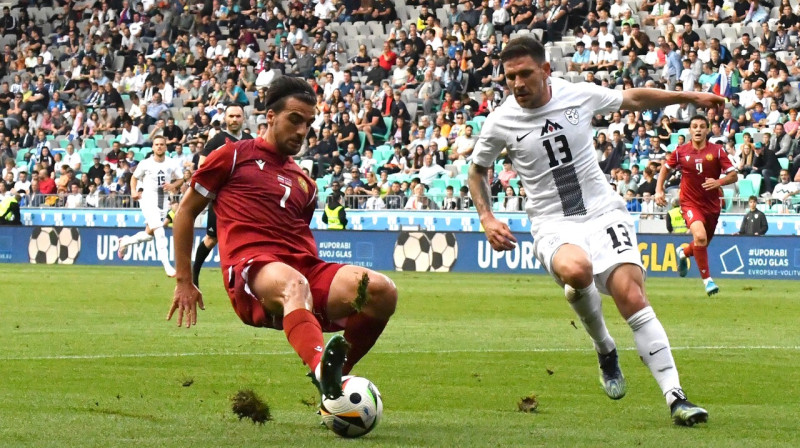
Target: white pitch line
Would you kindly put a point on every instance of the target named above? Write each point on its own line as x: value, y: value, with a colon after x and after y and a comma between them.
x: 388, y: 352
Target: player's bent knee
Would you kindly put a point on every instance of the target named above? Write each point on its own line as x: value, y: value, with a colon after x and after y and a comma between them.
x: 281, y: 289
x: 382, y: 295
x: 576, y: 272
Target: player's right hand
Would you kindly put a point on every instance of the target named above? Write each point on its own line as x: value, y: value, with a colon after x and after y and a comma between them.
x: 499, y: 235
x: 186, y: 299
x: 136, y: 195
x: 661, y: 198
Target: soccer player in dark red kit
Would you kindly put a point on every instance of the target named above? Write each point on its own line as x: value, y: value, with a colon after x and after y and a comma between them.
x: 270, y: 267
x: 701, y: 164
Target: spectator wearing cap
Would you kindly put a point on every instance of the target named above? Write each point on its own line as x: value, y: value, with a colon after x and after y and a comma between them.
x: 96, y: 171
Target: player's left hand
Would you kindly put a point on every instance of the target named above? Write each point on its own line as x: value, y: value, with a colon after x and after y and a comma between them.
x: 706, y: 100
x: 711, y: 184
x: 185, y: 301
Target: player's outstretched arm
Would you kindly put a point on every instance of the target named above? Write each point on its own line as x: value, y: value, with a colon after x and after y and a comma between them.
x: 187, y: 296
x: 497, y: 232
x: 646, y: 98
x: 661, y: 198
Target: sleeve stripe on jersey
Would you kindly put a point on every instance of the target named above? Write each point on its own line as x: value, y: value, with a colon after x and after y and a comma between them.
x: 313, y: 196
x: 203, y: 191
x: 233, y: 165
x: 733, y: 168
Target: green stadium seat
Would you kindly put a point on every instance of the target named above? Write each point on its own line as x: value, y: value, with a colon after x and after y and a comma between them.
x: 439, y: 184
x: 479, y: 121
x: 746, y: 189
x: 456, y: 183
x: 385, y: 136
x: 464, y: 169
x: 89, y: 143
x: 728, y: 193
x: 756, y: 179
x: 738, y: 138
x: 363, y: 137
x: 784, y: 163
x: 514, y: 183
x: 322, y: 184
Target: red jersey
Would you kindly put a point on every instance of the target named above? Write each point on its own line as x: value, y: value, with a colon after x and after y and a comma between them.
x: 263, y: 201
x: 695, y: 166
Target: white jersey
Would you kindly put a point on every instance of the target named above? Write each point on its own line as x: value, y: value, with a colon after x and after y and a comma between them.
x: 153, y: 176
x: 552, y: 151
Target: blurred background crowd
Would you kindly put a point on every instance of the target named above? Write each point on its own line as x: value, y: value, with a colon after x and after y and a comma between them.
x: 403, y: 90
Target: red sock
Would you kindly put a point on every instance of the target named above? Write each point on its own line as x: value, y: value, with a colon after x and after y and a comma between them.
x: 701, y: 258
x: 305, y: 336
x: 362, y: 331
x: 689, y: 250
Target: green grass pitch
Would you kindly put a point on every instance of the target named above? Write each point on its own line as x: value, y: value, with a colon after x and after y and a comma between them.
x: 88, y: 360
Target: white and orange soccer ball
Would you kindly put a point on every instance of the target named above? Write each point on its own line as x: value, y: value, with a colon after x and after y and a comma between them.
x: 356, y: 412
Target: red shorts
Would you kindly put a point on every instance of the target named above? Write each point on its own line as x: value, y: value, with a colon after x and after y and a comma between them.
x: 709, y: 218
x: 318, y: 273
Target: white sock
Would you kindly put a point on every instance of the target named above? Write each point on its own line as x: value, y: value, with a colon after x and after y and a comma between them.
x: 140, y: 237
x: 653, y: 347
x: 588, y: 305
x: 318, y: 372
x: 162, y: 247
x: 706, y: 280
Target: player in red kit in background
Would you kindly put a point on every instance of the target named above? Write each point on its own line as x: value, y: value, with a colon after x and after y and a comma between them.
x: 701, y: 164
x: 270, y: 267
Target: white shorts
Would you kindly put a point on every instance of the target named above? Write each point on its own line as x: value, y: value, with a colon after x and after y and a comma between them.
x: 154, y: 215
x: 609, y: 240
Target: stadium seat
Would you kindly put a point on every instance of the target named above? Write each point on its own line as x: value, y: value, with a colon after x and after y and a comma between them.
x: 363, y: 137
x: 514, y: 183
x: 746, y: 189
x: 728, y: 193
x: 756, y: 179
x: 784, y: 163
x: 439, y: 184
x: 455, y: 183
x: 385, y: 137
x: 479, y: 121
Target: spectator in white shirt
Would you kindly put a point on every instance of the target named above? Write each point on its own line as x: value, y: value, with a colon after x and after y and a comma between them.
x: 374, y: 201
x: 72, y: 158
x: 429, y: 170
x: 415, y: 202
x: 131, y: 135
x: 75, y: 198
x: 785, y: 190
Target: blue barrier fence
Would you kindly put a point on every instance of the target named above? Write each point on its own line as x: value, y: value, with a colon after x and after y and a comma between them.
x: 373, y: 220
x: 730, y: 256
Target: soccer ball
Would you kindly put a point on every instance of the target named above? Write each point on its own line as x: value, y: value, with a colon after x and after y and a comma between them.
x: 69, y: 245
x: 43, y: 246
x: 355, y: 413
x: 444, y: 251
x: 412, y: 252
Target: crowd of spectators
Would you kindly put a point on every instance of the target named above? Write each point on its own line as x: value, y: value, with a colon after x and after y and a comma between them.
x: 403, y: 89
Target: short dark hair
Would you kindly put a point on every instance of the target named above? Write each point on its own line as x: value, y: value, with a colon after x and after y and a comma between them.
x: 284, y: 87
x: 700, y: 117
x: 752, y: 198
x: 524, y: 46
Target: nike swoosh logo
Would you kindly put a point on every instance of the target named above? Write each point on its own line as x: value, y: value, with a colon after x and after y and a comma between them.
x: 653, y: 353
x: 619, y: 251
x: 519, y: 139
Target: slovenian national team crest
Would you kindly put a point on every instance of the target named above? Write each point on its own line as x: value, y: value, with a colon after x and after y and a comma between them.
x: 572, y: 115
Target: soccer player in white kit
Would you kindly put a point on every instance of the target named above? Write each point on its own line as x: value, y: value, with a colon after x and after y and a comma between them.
x: 582, y: 233
x: 158, y: 176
